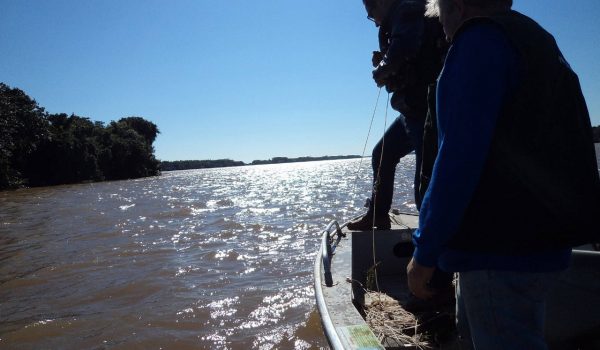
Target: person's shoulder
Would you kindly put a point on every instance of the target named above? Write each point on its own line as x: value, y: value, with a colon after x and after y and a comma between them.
x: 479, y: 44
x: 481, y: 31
x: 409, y: 9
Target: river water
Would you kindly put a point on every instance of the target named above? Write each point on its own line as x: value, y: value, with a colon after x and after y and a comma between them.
x: 198, y: 259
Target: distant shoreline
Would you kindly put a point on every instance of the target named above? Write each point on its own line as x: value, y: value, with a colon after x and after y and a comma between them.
x: 224, y: 163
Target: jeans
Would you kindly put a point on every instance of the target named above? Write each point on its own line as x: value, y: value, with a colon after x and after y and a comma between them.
x: 403, y: 136
x: 502, y: 309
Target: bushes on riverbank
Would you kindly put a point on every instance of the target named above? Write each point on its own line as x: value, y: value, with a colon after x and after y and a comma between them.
x: 223, y: 163
x: 40, y: 149
x: 198, y: 164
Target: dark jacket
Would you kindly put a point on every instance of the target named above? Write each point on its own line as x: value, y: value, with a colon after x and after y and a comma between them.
x: 540, y: 188
x: 430, y: 141
x: 413, y: 48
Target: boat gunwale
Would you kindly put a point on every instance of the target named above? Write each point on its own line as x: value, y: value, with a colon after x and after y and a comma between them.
x: 331, y: 334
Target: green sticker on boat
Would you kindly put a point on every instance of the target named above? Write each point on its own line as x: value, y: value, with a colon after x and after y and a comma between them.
x: 359, y: 338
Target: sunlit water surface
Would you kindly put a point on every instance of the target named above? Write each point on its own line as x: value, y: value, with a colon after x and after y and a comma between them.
x: 199, y: 259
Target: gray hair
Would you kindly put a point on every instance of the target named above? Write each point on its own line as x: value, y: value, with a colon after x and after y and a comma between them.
x: 433, y: 6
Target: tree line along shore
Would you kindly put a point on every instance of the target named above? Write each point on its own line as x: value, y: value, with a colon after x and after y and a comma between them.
x: 38, y: 148
x: 222, y: 163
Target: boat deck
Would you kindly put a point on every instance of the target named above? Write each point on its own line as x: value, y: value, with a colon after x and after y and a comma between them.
x: 573, y: 319
x: 352, y: 275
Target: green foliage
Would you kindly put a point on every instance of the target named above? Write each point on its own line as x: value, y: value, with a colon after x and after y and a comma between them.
x: 221, y: 163
x: 146, y: 129
x: 39, y: 149
x: 69, y: 155
x: 131, y: 155
x: 22, y: 130
x: 278, y: 160
x: 198, y: 164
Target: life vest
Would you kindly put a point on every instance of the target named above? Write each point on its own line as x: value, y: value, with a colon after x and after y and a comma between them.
x: 412, y: 78
x: 424, y: 69
x: 540, y: 188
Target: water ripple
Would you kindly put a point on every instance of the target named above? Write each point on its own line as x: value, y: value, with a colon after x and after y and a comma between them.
x: 215, y: 258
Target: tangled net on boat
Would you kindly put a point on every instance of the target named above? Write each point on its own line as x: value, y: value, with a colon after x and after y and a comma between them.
x: 391, y: 323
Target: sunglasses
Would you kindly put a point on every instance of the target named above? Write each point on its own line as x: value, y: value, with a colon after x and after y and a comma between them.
x: 370, y: 10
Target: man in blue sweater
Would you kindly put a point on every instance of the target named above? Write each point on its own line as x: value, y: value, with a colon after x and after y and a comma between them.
x: 515, y: 183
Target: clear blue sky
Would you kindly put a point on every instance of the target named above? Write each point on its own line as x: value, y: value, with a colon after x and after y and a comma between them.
x: 239, y: 79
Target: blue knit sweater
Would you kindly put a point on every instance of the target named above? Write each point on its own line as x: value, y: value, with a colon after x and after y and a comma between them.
x: 480, y: 70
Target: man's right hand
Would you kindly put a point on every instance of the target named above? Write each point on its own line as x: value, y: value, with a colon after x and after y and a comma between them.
x: 377, y: 58
x: 418, y: 277
x: 381, y: 75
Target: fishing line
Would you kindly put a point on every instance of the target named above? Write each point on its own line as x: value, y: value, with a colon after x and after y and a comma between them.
x: 374, y: 189
x: 387, y: 107
x: 365, y: 147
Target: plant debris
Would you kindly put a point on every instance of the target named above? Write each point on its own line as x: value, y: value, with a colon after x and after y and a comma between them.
x: 391, y: 323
